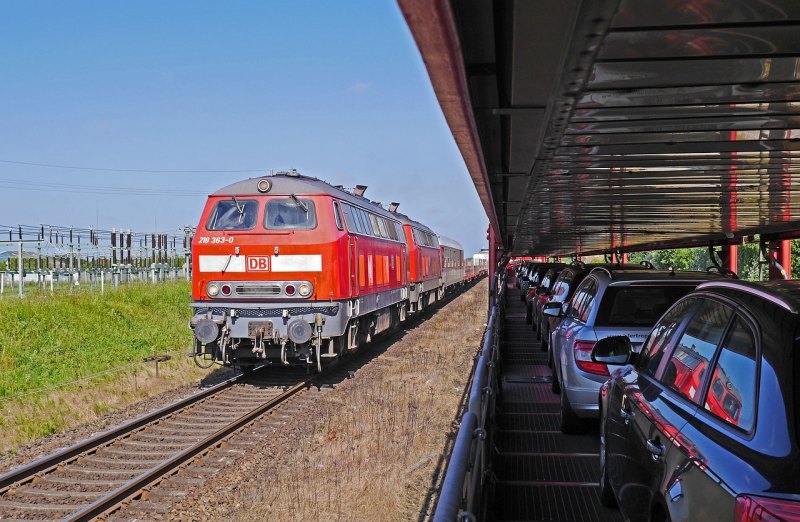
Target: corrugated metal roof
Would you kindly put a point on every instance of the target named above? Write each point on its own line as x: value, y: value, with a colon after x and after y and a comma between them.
x: 628, y: 124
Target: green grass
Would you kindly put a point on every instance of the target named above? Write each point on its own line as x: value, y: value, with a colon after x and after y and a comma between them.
x: 52, y: 340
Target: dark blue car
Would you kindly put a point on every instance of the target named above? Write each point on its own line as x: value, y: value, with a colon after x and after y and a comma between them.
x: 703, y: 424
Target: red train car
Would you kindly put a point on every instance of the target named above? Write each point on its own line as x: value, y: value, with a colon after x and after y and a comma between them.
x: 425, y: 265
x: 289, y: 268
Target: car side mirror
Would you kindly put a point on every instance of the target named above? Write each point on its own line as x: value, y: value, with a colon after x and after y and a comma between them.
x: 613, y: 350
x: 552, y: 309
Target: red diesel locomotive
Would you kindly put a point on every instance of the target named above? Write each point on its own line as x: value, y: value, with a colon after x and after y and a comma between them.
x: 289, y: 268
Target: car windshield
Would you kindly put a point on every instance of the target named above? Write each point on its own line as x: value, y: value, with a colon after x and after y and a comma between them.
x: 233, y: 214
x: 290, y: 213
x: 638, y: 305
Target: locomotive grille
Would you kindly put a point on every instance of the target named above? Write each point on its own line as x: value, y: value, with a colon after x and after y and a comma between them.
x: 258, y: 290
x: 277, y: 312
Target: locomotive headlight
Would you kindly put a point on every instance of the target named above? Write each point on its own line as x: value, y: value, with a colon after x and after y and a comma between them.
x: 304, y: 290
x: 264, y: 185
x: 213, y: 289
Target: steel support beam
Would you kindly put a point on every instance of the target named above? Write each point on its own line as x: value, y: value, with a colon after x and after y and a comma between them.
x: 730, y: 257
x: 781, y: 251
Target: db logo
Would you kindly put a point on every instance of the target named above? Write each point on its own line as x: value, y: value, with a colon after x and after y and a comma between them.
x: 257, y: 263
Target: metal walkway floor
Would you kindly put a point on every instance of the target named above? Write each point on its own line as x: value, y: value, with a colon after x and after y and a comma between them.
x: 541, y: 473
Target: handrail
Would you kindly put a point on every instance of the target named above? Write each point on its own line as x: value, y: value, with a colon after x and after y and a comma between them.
x: 462, y: 488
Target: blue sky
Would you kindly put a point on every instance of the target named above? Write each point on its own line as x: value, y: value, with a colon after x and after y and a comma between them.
x: 336, y: 90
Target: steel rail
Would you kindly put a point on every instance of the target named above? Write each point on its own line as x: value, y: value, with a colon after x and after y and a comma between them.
x: 29, y: 471
x: 135, y: 486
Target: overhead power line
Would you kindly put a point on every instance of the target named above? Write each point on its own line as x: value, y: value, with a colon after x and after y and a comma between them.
x: 43, y: 186
x: 99, y: 169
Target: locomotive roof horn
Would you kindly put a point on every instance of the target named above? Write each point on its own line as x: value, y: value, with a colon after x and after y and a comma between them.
x: 360, y: 189
x: 393, y: 206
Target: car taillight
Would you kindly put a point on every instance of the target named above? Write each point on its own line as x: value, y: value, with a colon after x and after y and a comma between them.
x: 583, y: 358
x: 761, y: 509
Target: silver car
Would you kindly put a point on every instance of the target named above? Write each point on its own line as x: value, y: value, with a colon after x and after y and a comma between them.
x: 607, y: 302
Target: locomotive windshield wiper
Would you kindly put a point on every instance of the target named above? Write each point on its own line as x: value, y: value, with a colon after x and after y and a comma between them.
x: 299, y: 203
x: 239, y: 207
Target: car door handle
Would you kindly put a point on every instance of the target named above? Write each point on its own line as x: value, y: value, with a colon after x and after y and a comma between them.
x: 655, y: 448
x: 626, y: 414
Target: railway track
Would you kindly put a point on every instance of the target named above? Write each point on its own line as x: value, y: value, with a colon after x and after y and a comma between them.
x: 140, y: 459
x: 90, y: 478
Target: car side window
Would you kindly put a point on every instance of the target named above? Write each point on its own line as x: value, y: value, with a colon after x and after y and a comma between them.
x: 662, y: 334
x: 577, y: 300
x: 690, y: 360
x: 732, y: 394
x: 584, y: 294
x: 559, y: 290
x: 586, y: 309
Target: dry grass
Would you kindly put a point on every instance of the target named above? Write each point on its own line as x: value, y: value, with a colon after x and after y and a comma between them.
x: 30, y: 417
x: 372, y: 450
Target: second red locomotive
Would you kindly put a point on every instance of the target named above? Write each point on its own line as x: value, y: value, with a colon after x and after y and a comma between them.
x: 289, y: 268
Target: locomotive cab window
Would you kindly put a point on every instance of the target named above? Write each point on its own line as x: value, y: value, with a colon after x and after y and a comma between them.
x: 233, y: 214
x: 337, y: 216
x: 290, y: 213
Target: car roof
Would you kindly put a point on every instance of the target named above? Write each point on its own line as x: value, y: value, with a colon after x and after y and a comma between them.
x: 588, y: 267
x: 623, y: 277
x: 784, y: 293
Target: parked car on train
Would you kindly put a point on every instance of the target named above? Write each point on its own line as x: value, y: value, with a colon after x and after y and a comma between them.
x: 536, y: 278
x: 563, y: 290
x: 526, y: 276
x: 704, y: 423
x: 289, y: 268
x: 541, y: 294
x: 608, y: 302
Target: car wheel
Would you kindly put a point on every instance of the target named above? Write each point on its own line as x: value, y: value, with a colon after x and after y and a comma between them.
x: 569, y: 422
x: 606, y: 493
